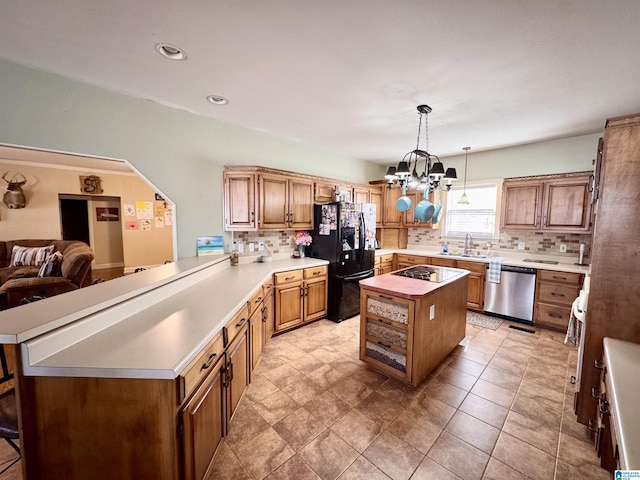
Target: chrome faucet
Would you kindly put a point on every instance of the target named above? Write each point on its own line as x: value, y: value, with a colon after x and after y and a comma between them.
x: 468, y: 244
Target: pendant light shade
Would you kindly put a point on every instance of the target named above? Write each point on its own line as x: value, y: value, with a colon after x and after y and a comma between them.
x: 391, y: 173
x: 403, y: 169
x: 464, y: 200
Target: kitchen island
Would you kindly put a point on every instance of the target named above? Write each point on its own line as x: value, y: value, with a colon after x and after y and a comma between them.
x: 409, y: 325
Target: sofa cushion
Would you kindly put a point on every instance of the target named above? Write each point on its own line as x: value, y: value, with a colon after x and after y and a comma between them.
x: 52, y: 266
x: 30, y: 256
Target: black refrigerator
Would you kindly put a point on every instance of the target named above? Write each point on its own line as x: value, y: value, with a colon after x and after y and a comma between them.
x: 344, y: 234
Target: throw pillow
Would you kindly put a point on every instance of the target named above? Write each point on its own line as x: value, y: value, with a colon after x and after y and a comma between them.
x: 30, y: 256
x: 51, y: 266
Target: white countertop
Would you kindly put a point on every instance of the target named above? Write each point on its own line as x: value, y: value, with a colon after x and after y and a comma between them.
x: 153, y: 331
x: 515, y: 259
x: 622, y: 361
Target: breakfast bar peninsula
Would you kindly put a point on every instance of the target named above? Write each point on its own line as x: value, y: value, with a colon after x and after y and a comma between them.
x: 410, y: 320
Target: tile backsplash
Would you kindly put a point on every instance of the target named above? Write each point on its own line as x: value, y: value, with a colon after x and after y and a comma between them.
x: 276, y: 242
x: 539, y: 243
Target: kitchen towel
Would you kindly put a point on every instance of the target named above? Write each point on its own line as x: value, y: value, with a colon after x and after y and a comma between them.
x: 493, y: 274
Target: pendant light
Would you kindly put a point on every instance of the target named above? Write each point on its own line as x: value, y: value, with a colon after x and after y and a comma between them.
x: 464, y: 200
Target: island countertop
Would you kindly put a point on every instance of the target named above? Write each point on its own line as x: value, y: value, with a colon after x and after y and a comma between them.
x: 409, y: 288
x: 144, y: 325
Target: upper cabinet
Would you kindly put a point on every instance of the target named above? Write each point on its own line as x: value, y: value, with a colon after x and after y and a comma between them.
x: 560, y: 203
x: 240, y: 201
x: 261, y: 198
x: 285, y: 203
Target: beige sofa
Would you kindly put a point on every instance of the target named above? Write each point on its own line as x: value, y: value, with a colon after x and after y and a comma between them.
x: 18, y: 283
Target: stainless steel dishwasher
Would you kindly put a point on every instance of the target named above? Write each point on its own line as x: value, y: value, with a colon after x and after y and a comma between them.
x: 513, y: 297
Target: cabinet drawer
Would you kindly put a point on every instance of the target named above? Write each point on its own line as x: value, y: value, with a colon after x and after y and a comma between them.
x: 393, y: 360
x: 286, y: 277
x: 564, y: 277
x: 386, y: 333
x: 396, y: 311
x: 552, y: 316
x: 385, y: 259
x: 315, y: 272
x: 443, y: 262
x: 564, y: 295
x: 234, y: 325
x: 267, y: 287
x: 201, y: 366
x: 476, y: 267
x: 256, y: 300
x: 411, y: 259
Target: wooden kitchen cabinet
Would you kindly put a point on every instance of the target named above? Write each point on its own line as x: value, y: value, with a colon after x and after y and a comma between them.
x: 384, y: 264
x: 475, y: 294
x: 361, y: 195
x: 555, y: 293
x: 240, y: 201
x: 300, y: 296
x: 203, y: 422
x: 375, y: 197
x: 256, y: 335
x: 404, y: 260
x: 237, y: 370
x: 391, y: 216
x: 268, y: 317
x: 559, y: 203
x: 324, y: 192
x: 285, y: 203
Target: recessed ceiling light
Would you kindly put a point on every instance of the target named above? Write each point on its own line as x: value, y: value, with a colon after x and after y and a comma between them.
x: 217, y: 100
x: 171, y: 51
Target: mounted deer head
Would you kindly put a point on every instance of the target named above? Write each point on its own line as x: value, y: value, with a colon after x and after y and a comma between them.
x: 14, y: 196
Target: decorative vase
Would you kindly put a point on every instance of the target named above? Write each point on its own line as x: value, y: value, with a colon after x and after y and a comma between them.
x: 301, y: 250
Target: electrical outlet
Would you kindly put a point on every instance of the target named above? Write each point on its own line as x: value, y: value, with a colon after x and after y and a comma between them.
x: 252, y: 247
x: 240, y: 247
x: 260, y: 246
x: 520, y: 245
x: 563, y: 248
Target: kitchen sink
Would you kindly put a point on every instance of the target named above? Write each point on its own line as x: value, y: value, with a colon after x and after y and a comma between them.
x: 462, y: 255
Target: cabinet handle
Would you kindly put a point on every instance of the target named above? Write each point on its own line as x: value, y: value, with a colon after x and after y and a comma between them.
x: 316, y: 273
x: 383, y: 344
x: 258, y: 300
x: 289, y: 278
x: 386, y: 298
x: 604, y: 411
x: 230, y: 371
x: 242, y: 320
x: 386, y: 323
x: 591, y: 428
x: 554, y: 294
x: 556, y: 315
x: 598, y: 364
x: 210, y: 360
x: 252, y: 217
x: 595, y: 393
x: 559, y: 278
x: 225, y: 377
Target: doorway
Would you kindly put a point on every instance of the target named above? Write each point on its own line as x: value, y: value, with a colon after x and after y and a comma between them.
x: 95, y: 220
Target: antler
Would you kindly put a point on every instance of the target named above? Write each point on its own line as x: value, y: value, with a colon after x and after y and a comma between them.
x: 13, y: 181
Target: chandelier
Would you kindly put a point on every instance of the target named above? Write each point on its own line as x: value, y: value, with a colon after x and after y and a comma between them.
x: 406, y: 173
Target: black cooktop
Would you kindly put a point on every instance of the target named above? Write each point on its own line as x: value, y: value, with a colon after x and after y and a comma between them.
x: 428, y: 273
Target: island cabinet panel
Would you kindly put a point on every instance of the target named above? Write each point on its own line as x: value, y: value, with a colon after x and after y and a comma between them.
x: 99, y: 428
x: 398, y: 336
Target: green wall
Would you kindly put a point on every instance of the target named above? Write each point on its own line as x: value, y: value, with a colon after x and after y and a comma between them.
x: 182, y: 154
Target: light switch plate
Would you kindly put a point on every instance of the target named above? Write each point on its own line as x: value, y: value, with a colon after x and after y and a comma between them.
x: 520, y: 245
x: 260, y: 246
x: 240, y: 247
x: 251, y: 247
x: 563, y: 248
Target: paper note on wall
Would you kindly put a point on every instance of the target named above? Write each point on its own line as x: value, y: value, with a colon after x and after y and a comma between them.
x: 144, y: 210
x: 145, y: 225
x: 129, y: 210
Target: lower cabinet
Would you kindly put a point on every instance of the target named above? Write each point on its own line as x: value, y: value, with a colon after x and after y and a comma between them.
x: 384, y: 264
x: 404, y: 260
x: 237, y: 370
x: 475, y: 294
x: 203, y: 422
x: 300, y: 296
x: 555, y: 293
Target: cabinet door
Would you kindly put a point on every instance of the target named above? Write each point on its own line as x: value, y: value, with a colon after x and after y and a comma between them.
x: 289, y: 305
x: 324, y: 192
x: 315, y: 299
x: 409, y: 219
x: 239, y: 201
x: 360, y: 195
x: 274, y: 194
x: 256, y: 330
x: 203, y: 420
x: 375, y: 197
x: 300, y: 203
x: 237, y: 370
x: 567, y: 206
x: 268, y: 318
x: 391, y: 216
x: 521, y: 204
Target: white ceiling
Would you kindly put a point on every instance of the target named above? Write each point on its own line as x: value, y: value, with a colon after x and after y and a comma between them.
x: 347, y: 75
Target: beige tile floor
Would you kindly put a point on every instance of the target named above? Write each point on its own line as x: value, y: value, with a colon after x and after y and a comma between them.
x: 499, y: 407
